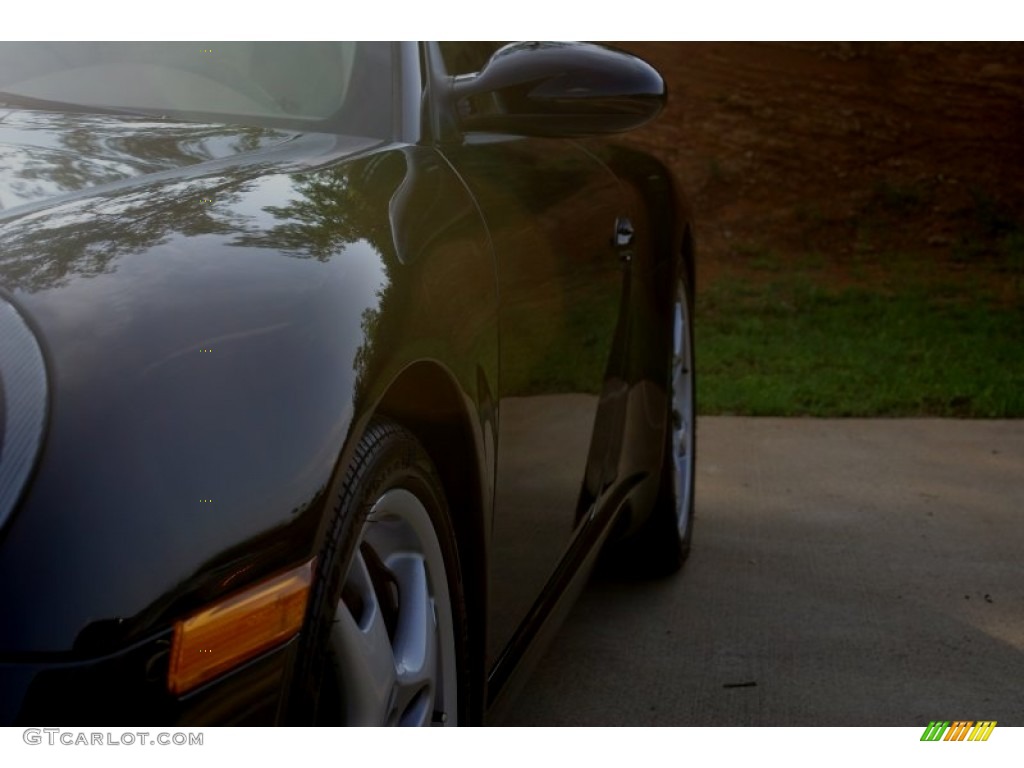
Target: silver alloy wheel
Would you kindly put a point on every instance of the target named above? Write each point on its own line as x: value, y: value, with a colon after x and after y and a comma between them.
x: 682, y: 409
x: 393, y: 631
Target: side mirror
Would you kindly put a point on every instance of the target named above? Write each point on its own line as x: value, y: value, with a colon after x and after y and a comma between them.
x: 559, y: 90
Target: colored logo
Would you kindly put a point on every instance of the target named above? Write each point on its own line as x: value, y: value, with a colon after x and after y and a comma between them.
x: 958, y: 730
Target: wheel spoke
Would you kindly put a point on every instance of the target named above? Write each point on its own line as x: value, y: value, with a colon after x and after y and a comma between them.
x: 392, y: 637
x: 366, y: 664
x: 415, y: 641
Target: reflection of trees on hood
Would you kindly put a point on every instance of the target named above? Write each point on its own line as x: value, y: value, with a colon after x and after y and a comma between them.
x: 334, y: 208
x: 88, y: 237
x: 49, y: 153
x: 338, y: 207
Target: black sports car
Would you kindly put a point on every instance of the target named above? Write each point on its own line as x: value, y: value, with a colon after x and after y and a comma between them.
x: 327, y: 370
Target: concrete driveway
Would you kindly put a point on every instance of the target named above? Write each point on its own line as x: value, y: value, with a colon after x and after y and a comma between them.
x: 850, y: 572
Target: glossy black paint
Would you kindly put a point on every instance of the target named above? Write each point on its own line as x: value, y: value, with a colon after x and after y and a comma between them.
x: 224, y: 308
x: 558, y: 90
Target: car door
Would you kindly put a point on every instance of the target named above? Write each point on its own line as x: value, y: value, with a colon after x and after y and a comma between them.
x: 552, y: 211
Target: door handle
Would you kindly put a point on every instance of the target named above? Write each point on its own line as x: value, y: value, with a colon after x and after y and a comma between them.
x: 623, y: 232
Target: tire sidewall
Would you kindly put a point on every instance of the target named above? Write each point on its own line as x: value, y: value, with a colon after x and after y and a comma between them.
x: 388, y: 458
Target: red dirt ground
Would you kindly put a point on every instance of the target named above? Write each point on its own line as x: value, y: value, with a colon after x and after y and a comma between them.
x: 846, y: 150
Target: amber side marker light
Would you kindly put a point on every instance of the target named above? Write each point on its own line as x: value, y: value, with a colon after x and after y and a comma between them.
x: 238, y: 628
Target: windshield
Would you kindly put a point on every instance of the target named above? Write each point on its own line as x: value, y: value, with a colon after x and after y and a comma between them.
x: 335, y: 86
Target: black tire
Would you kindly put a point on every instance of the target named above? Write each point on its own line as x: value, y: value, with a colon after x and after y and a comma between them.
x: 662, y: 544
x: 371, y: 590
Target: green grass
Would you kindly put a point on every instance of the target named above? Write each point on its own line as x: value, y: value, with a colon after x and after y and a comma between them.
x: 787, y: 343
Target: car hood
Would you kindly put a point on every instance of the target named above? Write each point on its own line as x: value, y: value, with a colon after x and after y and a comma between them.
x: 199, y: 293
